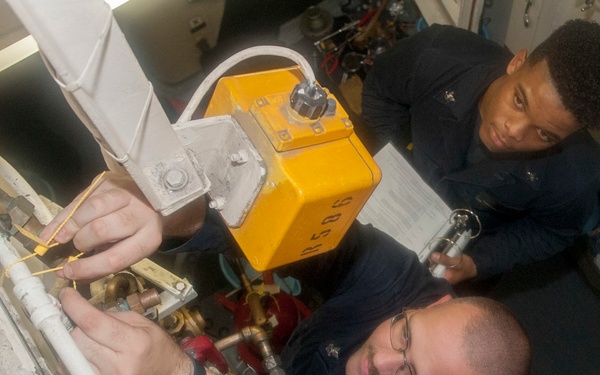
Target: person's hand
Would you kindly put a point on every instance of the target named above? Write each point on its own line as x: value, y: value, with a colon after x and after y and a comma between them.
x: 122, y: 342
x: 117, y: 218
x: 457, y: 268
x: 119, y: 224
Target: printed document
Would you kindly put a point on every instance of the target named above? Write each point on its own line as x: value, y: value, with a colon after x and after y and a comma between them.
x: 404, y: 206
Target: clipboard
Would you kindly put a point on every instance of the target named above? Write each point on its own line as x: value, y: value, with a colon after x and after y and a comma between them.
x: 411, y: 212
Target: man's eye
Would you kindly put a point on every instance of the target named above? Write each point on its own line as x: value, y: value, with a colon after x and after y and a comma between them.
x: 545, y: 136
x: 518, y: 102
x: 405, y: 334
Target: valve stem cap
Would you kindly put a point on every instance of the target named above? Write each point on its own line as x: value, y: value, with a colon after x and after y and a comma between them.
x: 309, y: 100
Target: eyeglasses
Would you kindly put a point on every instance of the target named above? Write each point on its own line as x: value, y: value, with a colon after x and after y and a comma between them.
x: 400, y: 339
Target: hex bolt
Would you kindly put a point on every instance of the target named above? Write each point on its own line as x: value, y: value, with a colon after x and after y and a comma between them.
x: 218, y: 203
x: 175, y: 179
x: 347, y: 122
x: 239, y: 157
x: 180, y: 286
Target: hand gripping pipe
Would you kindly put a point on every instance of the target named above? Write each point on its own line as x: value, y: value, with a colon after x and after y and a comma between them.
x: 43, y: 311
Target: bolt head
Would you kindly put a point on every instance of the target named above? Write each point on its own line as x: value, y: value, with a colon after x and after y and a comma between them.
x: 218, y: 203
x: 239, y: 157
x: 175, y: 179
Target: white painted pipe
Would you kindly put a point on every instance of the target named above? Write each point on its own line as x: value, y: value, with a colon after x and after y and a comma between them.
x: 43, y: 312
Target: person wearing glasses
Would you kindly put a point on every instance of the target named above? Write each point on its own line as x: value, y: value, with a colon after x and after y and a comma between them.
x: 383, y: 311
x: 434, y: 341
x: 503, y: 135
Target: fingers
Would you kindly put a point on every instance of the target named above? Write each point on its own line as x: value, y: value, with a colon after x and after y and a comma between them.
x: 122, y: 342
x: 119, y: 256
x: 102, y: 328
x: 102, y: 338
x: 107, y: 183
x: 115, y: 216
x: 91, y: 350
x: 459, y: 268
x: 58, y: 219
x: 446, y: 260
x: 105, y: 216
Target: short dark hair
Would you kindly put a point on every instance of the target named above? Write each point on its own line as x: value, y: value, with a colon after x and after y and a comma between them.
x: 573, y: 55
x: 494, y: 342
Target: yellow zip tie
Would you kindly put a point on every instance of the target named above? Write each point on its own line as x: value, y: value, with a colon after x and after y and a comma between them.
x: 44, y: 246
x: 86, y: 194
x: 251, y: 293
x: 70, y: 259
x: 276, y: 303
x: 48, y: 270
x: 260, y: 292
x: 16, y: 262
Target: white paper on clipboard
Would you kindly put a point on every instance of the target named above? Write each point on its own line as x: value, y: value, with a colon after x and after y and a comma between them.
x: 406, y: 208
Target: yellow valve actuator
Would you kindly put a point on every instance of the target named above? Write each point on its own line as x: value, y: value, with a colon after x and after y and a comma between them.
x: 319, y: 175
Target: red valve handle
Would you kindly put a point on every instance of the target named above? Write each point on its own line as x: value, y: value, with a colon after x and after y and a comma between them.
x: 203, y: 350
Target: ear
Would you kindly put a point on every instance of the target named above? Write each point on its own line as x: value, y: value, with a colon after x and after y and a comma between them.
x: 517, y: 61
x: 445, y: 298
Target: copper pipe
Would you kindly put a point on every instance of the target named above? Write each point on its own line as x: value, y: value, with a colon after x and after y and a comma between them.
x: 256, y: 310
x: 260, y: 338
x: 140, y: 302
x: 120, y: 286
